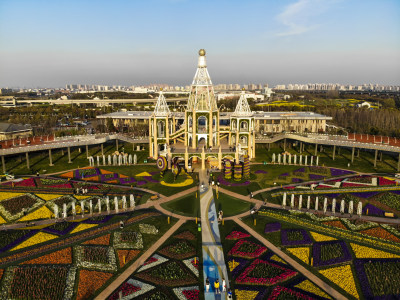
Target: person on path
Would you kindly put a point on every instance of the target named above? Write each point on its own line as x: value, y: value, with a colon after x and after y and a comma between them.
x: 229, y: 294
x: 216, y: 286
x: 223, y: 285
x: 207, y: 285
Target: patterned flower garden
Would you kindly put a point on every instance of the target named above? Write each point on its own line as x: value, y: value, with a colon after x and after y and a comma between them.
x: 361, y: 260
x: 170, y: 273
x: 74, y: 259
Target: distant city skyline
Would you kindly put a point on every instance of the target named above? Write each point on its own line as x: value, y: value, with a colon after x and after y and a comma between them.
x: 54, y: 43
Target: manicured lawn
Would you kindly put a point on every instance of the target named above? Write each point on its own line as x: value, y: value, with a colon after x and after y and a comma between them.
x: 187, y: 206
x: 231, y: 206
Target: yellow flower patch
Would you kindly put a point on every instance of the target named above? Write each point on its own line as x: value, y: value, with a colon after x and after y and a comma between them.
x: 48, y: 197
x: 81, y: 197
x: 302, y: 253
x: 321, y: 238
x: 188, y: 181
x: 143, y: 174
x: 81, y: 227
x: 310, y: 287
x: 41, y: 213
x: 367, y: 252
x: 278, y: 259
x: 343, y: 277
x: 2, y: 221
x: 245, y: 295
x: 233, y: 265
x: 35, y: 227
x: 7, y: 195
x: 38, y: 238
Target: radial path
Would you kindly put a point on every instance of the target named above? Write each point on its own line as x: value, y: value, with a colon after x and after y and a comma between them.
x: 213, y: 256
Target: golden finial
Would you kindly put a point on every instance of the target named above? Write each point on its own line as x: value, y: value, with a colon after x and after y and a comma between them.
x: 243, y: 89
x: 160, y: 89
x: 202, y: 52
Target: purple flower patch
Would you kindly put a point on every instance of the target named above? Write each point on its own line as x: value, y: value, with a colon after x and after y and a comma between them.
x: 365, y: 195
x: 316, y: 177
x: 342, y: 256
x: 339, y: 172
x: 272, y: 227
x: 372, y: 210
x: 288, y: 241
x: 260, y: 172
x: 19, y: 240
x: 141, y: 182
x: 332, y: 195
x: 301, y: 170
x: 127, y: 180
x: 222, y: 181
x: 297, y: 180
x: 395, y: 192
x: 242, y: 263
x: 107, y: 177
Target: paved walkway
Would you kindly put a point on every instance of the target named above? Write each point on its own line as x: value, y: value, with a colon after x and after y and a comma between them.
x: 138, y: 263
x: 214, y: 266
x: 323, y: 285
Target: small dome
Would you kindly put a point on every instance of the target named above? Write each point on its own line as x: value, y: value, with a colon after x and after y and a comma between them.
x: 202, y: 52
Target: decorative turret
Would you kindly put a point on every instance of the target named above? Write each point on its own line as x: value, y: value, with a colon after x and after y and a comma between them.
x: 161, y: 109
x: 202, y: 96
x: 202, y: 114
x: 242, y: 107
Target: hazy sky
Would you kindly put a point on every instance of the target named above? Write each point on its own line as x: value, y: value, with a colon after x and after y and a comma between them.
x: 50, y: 43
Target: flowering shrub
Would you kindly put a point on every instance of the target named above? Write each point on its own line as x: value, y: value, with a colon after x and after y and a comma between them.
x: 191, y: 294
x: 148, y: 229
x: 236, y: 235
x: 264, y: 273
x: 272, y: 227
x: 181, y: 249
x: 247, y: 249
x: 14, y: 208
x: 96, y: 257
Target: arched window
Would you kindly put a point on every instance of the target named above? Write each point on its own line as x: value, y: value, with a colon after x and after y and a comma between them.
x: 202, y: 124
x: 234, y: 124
x: 161, y: 129
x: 243, y: 125
x: 214, y: 122
x: 243, y: 139
x: 190, y: 121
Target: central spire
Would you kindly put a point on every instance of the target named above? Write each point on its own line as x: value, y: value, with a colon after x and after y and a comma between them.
x: 202, y: 92
x: 161, y: 109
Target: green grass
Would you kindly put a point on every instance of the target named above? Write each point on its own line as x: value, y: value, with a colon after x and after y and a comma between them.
x: 187, y: 206
x: 231, y: 206
x: 363, y: 163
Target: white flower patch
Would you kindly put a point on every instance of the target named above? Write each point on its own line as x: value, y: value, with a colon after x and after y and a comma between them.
x: 361, y: 226
x: 136, y: 243
x: 144, y: 288
x: 111, y: 261
x: 69, y: 289
x: 8, y: 277
x: 391, y: 229
x: 148, y: 229
x: 160, y: 260
x: 178, y: 291
x: 188, y: 263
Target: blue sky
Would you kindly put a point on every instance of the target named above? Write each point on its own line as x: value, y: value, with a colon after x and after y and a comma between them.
x: 51, y: 43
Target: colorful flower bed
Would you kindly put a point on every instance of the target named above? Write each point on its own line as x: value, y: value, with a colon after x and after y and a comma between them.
x: 381, y: 233
x: 127, y: 289
x: 179, y: 250
x: 141, y: 288
x: 148, y: 229
x: 291, y: 237
x: 340, y: 172
x: 343, y: 277
x: 90, y: 282
x: 168, y: 274
x: 281, y: 292
x: 153, y: 261
x: 247, y: 249
x: 14, y: 208
x: 223, y: 181
x: 128, y: 239
x: 264, y: 273
x: 236, y: 235
x: 330, y: 252
x: 185, y: 235
x: 189, y: 292
x: 96, y: 257
x: 379, y: 278
x: 63, y: 256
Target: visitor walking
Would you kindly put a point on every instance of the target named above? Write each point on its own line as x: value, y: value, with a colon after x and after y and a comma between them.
x: 223, y: 285
x: 207, y: 285
x: 216, y: 287
x: 229, y: 294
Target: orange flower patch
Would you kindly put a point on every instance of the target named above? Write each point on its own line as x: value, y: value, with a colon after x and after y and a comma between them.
x: 123, y: 176
x: 89, y: 282
x: 381, y: 233
x: 113, y: 181
x: 186, y: 235
x: 1, y: 273
x: 129, y: 255
x: 101, y: 240
x: 93, y: 178
x: 337, y: 224
x: 58, y: 257
x: 106, y: 172
x: 68, y: 175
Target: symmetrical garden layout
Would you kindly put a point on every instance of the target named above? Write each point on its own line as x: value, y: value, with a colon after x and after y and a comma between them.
x: 78, y: 235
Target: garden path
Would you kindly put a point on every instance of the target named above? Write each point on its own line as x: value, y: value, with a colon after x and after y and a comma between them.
x: 316, y: 280
x: 139, y: 262
x: 214, y: 266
